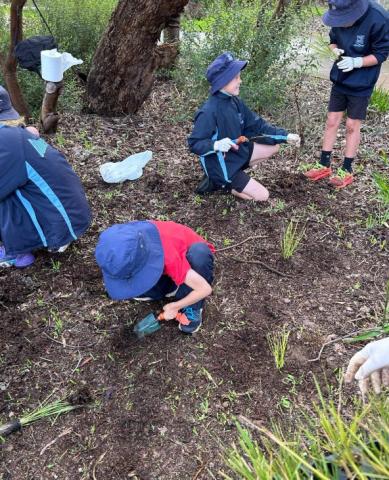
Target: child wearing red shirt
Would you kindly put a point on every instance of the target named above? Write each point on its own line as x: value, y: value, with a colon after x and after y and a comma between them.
x: 150, y: 260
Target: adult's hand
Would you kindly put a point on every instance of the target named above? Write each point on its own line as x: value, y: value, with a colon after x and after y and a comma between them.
x: 349, y: 63
x: 371, y: 364
x: 293, y: 139
x: 224, y: 145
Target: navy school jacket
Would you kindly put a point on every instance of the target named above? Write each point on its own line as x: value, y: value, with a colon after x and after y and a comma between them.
x: 42, y: 202
x: 369, y: 35
x: 223, y: 116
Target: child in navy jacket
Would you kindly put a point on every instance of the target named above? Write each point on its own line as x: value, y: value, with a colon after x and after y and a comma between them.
x: 360, y: 36
x: 221, y: 120
x: 42, y: 202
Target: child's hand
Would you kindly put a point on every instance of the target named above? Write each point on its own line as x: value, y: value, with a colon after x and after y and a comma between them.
x: 293, y: 139
x: 338, y: 51
x: 224, y: 145
x: 170, y: 311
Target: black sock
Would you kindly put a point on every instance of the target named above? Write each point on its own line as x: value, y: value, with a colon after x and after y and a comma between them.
x: 325, y: 158
x: 347, y: 164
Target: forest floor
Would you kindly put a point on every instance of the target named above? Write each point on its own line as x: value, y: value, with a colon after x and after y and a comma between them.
x: 163, y: 408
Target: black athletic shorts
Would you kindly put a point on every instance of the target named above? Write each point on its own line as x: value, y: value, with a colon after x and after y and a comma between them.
x: 241, y: 179
x: 356, y: 107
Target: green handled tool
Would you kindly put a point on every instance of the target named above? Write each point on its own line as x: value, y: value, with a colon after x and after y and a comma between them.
x: 150, y: 323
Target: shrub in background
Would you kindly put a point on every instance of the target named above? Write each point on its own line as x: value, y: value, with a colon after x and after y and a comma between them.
x: 250, y: 31
x: 77, y: 27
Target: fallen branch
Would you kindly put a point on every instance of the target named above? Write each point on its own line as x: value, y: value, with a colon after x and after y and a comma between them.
x: 240, y: 243
x: 338, y: 339
x: 259, y: 262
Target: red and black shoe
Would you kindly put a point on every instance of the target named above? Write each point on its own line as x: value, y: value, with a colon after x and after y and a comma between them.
x: 316, y: 174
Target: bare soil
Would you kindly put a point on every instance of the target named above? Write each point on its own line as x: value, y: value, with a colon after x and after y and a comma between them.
x: 163, y: 408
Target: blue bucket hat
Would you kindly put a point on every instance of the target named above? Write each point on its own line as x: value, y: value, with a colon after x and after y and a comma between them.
x: 222, y: 70
x: 344, y: 12
x: 131, y: 258
x: 7, y: 112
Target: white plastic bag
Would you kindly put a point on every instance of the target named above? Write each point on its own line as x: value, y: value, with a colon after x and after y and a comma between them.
x: 131, y: 168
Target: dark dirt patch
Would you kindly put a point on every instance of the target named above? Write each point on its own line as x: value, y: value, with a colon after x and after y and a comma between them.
x: 163, y: 407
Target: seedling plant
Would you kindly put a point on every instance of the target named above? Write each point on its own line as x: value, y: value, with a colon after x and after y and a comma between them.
x: 278, y: 344
x: 291, y: 239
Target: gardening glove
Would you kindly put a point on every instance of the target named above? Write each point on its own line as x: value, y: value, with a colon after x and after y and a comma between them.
x: 349, y: 63
x: 372, y: 362
x: 338, y: 51
x: 224, y: 145
x: 293, y: 139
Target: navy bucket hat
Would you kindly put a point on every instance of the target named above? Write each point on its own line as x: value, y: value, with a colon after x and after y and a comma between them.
x: 343, y: 13
x: 131, y: 258
x: 222, y: 70
x: 7, y: 112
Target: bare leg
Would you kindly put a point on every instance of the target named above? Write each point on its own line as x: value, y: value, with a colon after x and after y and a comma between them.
x: 253, y: 191
x: 332, y: 125
x: 262, y: 152
x: 353, y: 137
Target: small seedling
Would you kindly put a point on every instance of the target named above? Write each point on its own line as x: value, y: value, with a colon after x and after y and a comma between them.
x: 278, y: 344
x: 55, y: 265
x: 52, y: 409
x: 291, y: 239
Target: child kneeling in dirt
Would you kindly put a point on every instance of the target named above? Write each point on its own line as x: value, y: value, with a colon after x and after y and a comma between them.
x: 42, y: 202
x: 219, y: 123
x: 150, y: 260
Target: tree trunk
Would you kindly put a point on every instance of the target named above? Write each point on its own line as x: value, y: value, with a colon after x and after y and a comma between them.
x: 123, y: 67
x: 9, y: 62
x: 49, y: 115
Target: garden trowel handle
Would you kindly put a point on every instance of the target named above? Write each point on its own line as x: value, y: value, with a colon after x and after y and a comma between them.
x: 241, y: 139
x: 180, y: 317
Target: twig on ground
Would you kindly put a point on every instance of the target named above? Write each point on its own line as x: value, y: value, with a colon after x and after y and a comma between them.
x: 248, y: 423
x: 199, y: 471
x: 68, y: 346
x: 65, y: 432
x: 240, y: 243
x: 259, y: 262
x: 100, y: 459
x: 338, y: 339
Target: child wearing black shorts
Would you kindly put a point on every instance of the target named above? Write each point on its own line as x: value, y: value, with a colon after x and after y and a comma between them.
x: 360, y: 36
x: 219, y: 123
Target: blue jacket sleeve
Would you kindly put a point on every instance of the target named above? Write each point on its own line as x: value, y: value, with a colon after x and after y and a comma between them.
x: 13, y: 172
x: 255, y: 125
x: 380, y: 42
x: 200, y: 141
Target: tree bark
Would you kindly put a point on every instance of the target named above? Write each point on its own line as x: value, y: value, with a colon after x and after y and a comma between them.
x: 9, y: 62
x: 49, y: 115
x: 123, y: 67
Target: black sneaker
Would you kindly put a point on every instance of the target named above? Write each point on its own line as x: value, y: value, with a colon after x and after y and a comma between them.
x: 195, y: 317
x: 206, y: 186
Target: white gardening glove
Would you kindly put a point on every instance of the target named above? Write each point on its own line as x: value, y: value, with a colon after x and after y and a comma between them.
x: 224, y: 145
x: 293, y: 139
x: 372, y: 362
x: 338, y: 51
x: 349, y: 63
